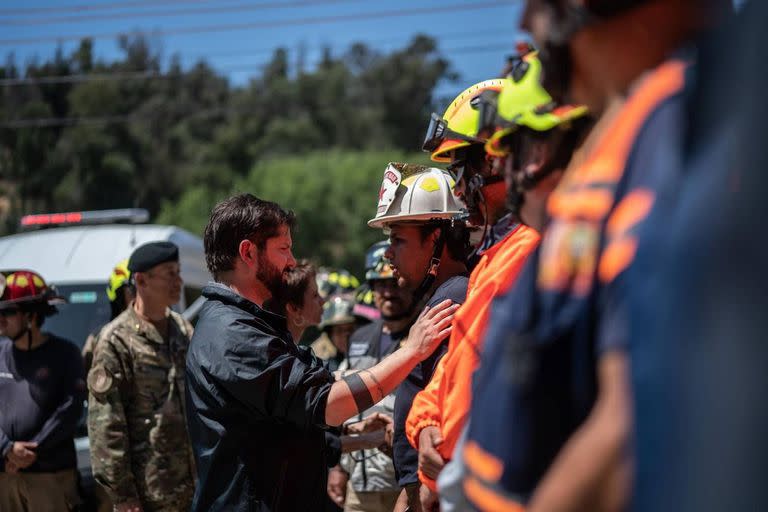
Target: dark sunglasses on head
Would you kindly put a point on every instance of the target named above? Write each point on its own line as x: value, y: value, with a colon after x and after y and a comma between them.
x: 438, y: 131
x: 5, y: 313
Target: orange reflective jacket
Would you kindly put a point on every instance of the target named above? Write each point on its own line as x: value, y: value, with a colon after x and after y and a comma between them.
x: 446, y: 399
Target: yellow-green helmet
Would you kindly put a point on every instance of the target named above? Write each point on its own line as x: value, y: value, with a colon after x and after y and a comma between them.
x: 457, y: 127
x: 118, y: 278
x: 331, y: 282
x: 338, y: 311
x: 523, y: 101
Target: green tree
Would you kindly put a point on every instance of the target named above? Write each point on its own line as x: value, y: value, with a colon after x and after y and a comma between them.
x: 333, y: 193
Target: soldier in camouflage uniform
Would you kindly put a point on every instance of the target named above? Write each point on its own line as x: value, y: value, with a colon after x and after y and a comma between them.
x: 140, y: 449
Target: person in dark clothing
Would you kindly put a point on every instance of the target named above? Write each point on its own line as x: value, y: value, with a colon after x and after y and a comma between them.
x: 699, y: 292
x: 42, y: 389
x: 428, y: 250
x: 365, y: 481
x: 256, y: 401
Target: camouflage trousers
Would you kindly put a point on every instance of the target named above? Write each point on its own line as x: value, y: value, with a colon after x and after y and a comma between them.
x: 39, y: 492
x: 177, y: 503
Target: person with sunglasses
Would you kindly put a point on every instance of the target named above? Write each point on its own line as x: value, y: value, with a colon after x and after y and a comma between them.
x: 452, y: 139
x: 439, y: 413
x: 42, y: 389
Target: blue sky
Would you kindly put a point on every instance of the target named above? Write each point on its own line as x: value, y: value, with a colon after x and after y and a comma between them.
x: 236, y: 36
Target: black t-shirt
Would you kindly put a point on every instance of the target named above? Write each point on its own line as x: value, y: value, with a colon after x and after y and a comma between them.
x: 406, y: 458
x: 41, y: 400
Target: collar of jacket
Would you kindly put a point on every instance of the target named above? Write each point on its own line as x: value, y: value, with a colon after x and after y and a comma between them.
x: 224, y: 294
x: 145, y: 329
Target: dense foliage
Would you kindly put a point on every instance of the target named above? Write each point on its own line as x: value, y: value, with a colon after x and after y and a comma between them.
x: 173, y: 140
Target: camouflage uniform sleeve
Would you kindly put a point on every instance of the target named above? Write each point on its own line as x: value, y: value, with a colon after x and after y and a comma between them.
x: 107, y: 426
x: 90, y: 343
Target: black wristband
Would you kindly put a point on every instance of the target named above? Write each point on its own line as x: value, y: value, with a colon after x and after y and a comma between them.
x: 360, y: 392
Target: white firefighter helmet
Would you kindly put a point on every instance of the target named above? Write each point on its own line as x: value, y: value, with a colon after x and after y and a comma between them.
x: 415, y: 193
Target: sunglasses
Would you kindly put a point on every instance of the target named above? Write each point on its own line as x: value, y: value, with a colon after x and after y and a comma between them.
x: 466, y: 163
x: 438, y: 131
x: 6, y: 313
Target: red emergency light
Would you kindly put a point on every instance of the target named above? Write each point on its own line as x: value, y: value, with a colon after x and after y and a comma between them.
x: 51, y: 218
x: 122, y: 216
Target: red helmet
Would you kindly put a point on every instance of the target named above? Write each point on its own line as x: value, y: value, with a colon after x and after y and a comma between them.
x: 24, y: 287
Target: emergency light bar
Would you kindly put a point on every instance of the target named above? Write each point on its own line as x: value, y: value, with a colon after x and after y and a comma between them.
x: 121, y: 216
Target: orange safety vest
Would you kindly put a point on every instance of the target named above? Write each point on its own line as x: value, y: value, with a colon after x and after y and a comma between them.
x: 446, y: 399
x: 581, y: 208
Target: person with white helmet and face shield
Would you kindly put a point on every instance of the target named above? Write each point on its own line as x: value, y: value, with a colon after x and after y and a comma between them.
x: 429, y: 244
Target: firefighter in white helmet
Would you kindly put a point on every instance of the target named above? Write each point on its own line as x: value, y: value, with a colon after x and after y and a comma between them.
x: 429, y: 244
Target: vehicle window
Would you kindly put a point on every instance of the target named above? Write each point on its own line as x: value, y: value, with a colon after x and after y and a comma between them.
x: 191, y: 294
x: 86, y: 311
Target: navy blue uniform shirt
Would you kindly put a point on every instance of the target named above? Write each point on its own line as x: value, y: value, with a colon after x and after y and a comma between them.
x: 406, y: 458
x: 537, y: 381
x: 41, y: 400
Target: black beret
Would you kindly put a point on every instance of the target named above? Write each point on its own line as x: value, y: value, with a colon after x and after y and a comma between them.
x: 152, y: 254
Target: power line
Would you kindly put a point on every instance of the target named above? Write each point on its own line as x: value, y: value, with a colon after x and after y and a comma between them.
x: 175, y: 12
x: 500, y: 31
x: 74, y: 79
x: 319, y: 20
x: 102, y: 120
x: 138, y: 75
x: 117, y: 119
x: 21, y: 11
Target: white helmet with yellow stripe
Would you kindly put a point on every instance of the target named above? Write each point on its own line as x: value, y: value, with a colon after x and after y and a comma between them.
x: 415, y: 193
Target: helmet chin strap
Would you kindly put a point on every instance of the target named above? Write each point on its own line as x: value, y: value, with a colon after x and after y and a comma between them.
x: 432, y: 268
x: 475, y: 187
x: 28, y: 332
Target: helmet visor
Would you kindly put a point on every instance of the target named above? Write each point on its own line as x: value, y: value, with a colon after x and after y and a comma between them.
x: 438, y: 131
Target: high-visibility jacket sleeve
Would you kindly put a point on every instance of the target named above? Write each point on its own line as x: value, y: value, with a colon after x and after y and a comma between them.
x: 446, y: 400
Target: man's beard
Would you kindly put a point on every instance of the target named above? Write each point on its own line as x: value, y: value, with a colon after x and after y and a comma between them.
x: 269, y: 275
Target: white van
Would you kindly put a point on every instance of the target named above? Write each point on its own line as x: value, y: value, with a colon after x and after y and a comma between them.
x: 76, y: 252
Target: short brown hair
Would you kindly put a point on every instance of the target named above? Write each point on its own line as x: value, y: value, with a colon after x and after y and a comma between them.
x: 296, y: 282
x: 241, y: 217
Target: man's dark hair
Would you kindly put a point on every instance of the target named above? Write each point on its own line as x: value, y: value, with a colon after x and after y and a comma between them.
x: 241, y: 217
x: 297, y: 280
x: 456, y: 238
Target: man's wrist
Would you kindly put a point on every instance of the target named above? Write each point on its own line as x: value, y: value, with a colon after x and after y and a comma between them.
x: 339, y: 469
x: 421, y: 428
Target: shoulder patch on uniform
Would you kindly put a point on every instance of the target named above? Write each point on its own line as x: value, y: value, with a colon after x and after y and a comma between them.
x: 99, y: 380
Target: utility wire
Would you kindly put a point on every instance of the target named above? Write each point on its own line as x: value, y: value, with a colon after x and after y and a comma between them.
x: 300, y: 22
x: 374, y: 44
x: 117, y: 119
x: 139, y: 75
x: 174, y: 12
x: 27, y: 11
